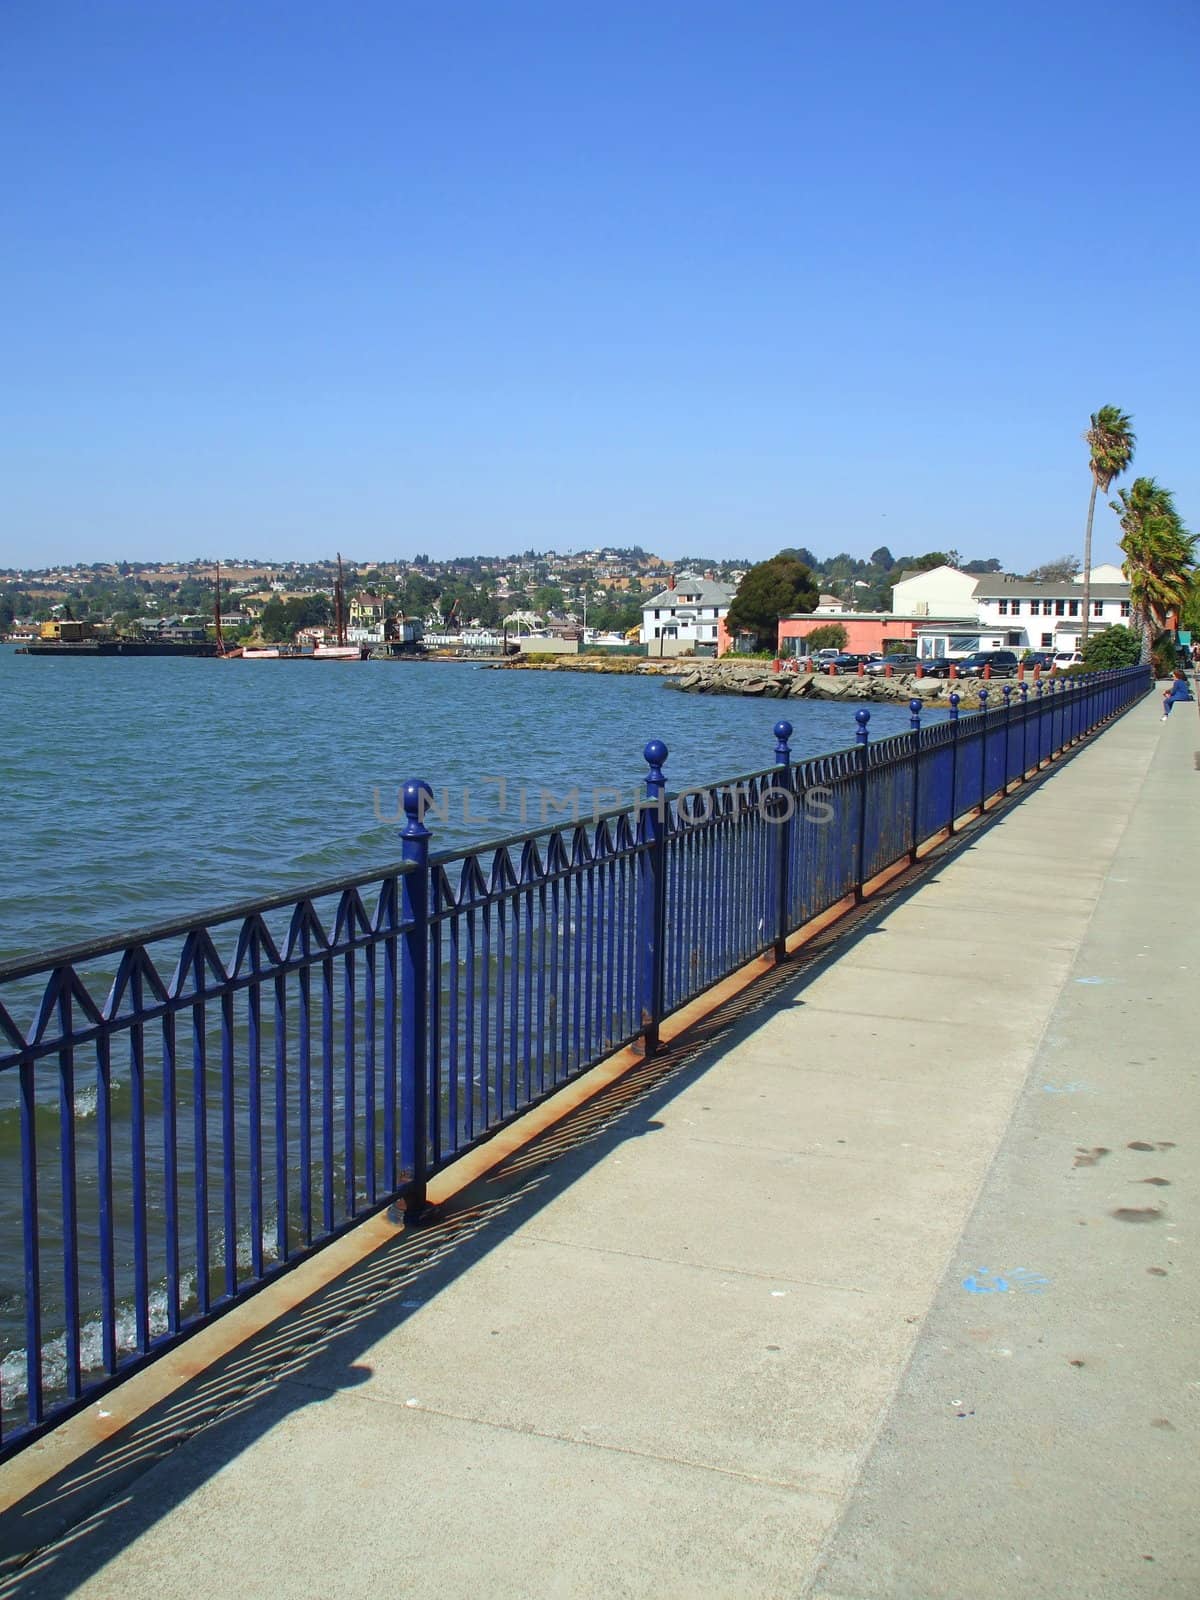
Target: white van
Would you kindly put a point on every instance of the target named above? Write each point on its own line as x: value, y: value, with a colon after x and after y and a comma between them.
x: 1066, y: 658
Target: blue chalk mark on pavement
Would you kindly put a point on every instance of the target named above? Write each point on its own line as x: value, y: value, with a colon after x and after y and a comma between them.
x: 1019, y: 1280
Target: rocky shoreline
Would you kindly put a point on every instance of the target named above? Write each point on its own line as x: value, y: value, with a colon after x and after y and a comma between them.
x: 734, y: 678
x: 757, y: 680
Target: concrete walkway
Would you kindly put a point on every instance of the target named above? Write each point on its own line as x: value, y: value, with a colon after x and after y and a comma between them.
x: 884, y: 1287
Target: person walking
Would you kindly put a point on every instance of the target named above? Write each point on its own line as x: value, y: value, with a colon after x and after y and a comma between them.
x: 1177, y: 690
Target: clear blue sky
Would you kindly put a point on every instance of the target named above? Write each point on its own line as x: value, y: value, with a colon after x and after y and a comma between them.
x: 460, y: 276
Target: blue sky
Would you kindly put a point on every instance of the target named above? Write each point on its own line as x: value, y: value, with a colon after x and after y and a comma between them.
x: 393, y: 276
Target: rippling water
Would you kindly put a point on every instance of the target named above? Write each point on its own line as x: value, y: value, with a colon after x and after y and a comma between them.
x: 140, y: 789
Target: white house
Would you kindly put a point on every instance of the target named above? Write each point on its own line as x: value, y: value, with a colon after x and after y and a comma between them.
x: 1017, y: 614
x: 686, y: 615
x: 1046, y: 616
x: 939, y: 592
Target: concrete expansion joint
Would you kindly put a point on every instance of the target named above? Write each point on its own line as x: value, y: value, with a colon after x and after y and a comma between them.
x: 572, y: 1441
x: 700, y: 1266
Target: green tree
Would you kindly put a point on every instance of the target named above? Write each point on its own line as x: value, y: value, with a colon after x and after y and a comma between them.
x: 770, y: 590
x: 1061, y: 570
x: 1159, y: 557
x: 1110, y: 440
x: 1189, y: 617
x: 273, y: 623
x: 829, y: 636
x: 1112, y: 647
x: 548, y: 598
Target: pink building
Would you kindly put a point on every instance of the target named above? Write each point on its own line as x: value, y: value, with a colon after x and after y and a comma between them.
x: 866, y: 631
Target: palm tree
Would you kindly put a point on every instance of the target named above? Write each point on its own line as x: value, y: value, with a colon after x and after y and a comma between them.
x: 1110, y: 440
x: 1159, y: 556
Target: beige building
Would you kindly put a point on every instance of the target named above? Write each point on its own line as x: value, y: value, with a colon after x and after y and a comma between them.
x: 940, y: 592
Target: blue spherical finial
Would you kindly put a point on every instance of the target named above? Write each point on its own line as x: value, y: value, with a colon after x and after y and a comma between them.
x: 656, y: 752
x: 914, y: 705
x: 862, y: 716
x: 416, y: 796
x: 983, y: 699
x: 783, y: 731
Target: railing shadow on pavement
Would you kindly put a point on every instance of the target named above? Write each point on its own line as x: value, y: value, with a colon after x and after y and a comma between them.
x: 89, y: 1511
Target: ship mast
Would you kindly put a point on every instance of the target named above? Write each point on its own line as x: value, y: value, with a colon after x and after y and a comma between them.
x: 339, y: 604
x: 217, y: 614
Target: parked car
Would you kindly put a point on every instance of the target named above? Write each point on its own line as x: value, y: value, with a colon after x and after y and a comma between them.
x: 1002, y: 662
x: 1038, y: 658
x: 844, y: 661
x: 827, y: 655
x: 1067, y: 658
x: 898, y: 663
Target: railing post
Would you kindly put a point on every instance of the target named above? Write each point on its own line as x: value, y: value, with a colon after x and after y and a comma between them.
x: 414, y: 1001
x: 983, y: 733
x: 652, y: 896
x: 1024, y: 731
x: 954, y: 699
x: 1007, y: 693
x: 1056, y: 720
x: 862, y: 717
x: 783, y: 827
x: 914, y: 722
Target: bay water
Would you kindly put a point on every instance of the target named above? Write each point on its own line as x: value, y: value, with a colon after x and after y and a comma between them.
x: 141, y: 790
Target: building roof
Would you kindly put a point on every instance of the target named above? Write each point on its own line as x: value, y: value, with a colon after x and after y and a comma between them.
x: 821, y: 619
x: 923, y: 572
x: 1000, y: 587
x: 690, y: 590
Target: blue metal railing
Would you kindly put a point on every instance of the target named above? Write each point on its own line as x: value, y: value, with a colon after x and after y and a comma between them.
x: 188, y: 1110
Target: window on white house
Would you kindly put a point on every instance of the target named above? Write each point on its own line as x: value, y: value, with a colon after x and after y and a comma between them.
x: 1047, y: 640
x: 1035, y: 608
x: 1124, y: 608
x: 1097, y: 608
x: 1003, y: 608
x: 1060, y: 608
x: 1016, y: 608
x: 1074, y: 608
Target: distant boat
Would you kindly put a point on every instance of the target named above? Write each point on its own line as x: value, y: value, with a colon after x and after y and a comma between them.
x: 260, y: 653
x: 337, y: 652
